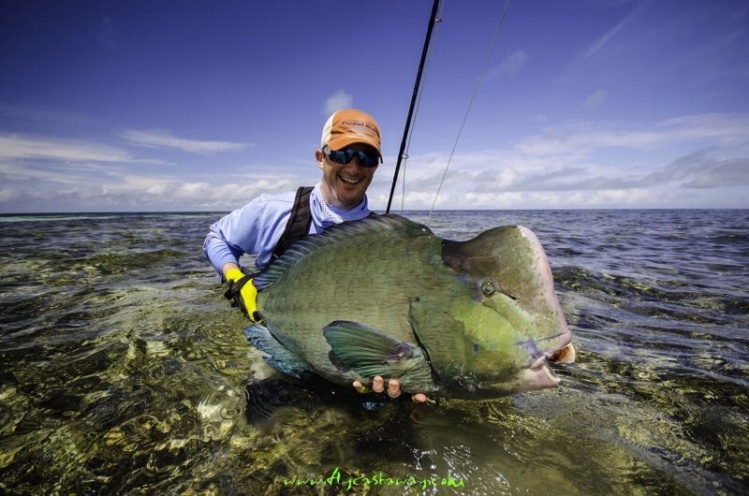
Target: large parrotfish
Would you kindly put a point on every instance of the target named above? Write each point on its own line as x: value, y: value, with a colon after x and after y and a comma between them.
x: 385, y: 296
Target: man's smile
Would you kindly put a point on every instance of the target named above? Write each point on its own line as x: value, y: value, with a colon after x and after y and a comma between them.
x: 349, y: 180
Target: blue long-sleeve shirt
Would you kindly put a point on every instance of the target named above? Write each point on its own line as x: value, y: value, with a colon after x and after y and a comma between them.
x: 257, y: 227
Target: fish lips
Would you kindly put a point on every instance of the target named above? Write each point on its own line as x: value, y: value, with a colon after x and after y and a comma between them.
x: 536, y: 374
x: 539, y: 375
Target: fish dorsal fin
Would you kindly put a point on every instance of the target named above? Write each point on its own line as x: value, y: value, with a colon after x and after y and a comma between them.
x: 302, y: 248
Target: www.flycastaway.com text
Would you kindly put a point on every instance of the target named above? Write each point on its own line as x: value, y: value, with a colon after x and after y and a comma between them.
x: 379, y: 479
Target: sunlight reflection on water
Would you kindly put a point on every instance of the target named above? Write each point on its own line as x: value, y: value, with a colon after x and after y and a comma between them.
x: 124, y: 370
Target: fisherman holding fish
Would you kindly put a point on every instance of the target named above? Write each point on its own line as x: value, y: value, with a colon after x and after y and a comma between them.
x: 349, y: 153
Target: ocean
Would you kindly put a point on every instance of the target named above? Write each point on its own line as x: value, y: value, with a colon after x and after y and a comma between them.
x: 123, y: 370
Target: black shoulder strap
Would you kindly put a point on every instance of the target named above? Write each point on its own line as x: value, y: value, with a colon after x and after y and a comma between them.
x: 299, y: 221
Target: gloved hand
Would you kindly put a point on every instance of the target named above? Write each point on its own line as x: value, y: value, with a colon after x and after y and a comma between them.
x: 243, y: 294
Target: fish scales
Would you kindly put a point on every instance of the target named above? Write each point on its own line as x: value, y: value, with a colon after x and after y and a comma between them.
x: 385, y: 296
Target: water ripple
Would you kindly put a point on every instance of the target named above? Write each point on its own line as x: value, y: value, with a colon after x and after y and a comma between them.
x: 124, y: 371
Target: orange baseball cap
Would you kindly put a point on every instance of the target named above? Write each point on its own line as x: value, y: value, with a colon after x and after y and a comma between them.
x: 348, y: 126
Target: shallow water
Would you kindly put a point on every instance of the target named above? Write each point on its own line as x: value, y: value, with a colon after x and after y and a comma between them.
x: 124, y: 371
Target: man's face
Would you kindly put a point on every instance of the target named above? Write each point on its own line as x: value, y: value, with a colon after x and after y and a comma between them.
x: 344, y: 185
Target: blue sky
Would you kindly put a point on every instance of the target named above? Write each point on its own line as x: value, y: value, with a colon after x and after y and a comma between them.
x: 197, y: 105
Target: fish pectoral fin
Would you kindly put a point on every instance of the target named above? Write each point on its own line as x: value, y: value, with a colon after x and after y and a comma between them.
x: 279, y: 357
x: 370, y: 352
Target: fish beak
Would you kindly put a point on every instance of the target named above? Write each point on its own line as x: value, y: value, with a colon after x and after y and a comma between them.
x: 566, y: 354
x: 539, y: 375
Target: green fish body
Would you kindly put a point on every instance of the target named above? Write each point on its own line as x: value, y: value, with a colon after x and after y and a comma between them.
x: 385, y: 296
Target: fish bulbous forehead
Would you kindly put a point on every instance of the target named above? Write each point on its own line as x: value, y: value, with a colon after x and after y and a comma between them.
x: 510, y: 256
x: 512, y: 287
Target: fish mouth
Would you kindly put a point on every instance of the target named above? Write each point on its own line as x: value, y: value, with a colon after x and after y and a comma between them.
x: 538, y: 375
x: 565, y: 354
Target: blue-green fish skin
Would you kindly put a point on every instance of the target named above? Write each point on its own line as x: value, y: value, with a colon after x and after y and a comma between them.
x: 385, y: 296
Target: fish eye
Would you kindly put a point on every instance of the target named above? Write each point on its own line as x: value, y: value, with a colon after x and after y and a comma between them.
x: 488, y: 287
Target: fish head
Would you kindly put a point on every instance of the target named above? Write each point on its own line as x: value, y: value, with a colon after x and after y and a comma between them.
x: 510, y: 319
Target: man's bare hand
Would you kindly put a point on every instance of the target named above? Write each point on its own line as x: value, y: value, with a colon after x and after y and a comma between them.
x: 393, y: 389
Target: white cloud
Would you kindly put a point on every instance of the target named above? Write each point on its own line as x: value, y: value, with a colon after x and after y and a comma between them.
x: 678, y: 161
x: 163, y: 139
x: 597, y: 98
x: 14, y: 146
x: 8, y: 195
x: 700, y: 160
x: 58, y: 173
x: 337, y: 101
x: 707, y: 169
x: 725, y: 128
x: 603, y: 40
x: 581, y: 138
x: 133, y: 192
x: 512, y: 64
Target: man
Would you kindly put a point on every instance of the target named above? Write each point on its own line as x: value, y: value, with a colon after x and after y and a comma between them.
x: 348, y: 156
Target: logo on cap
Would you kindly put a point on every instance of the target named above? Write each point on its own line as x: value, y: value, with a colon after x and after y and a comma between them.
x: 349, y: 126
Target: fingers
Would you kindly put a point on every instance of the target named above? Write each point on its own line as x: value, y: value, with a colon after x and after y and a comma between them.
x: 378, y: 384
x: 393, y: 389
x: 393, y: 386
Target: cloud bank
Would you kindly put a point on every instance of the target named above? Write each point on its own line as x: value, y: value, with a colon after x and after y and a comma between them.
x: 697, y: 160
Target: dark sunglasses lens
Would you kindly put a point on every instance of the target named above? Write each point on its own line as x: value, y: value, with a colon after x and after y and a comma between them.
x: 341, y: 156
x: 368, y: 159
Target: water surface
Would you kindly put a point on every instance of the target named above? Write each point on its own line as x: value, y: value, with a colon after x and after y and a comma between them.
x: 124, y: 371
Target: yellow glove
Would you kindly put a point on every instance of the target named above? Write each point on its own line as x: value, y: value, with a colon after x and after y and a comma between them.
x: 243, y: 294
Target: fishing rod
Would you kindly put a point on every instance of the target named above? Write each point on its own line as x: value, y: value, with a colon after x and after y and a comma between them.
x: 432, y: 20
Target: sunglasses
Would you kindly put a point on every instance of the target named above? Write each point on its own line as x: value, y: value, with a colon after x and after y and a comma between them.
x: 366, y: 158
